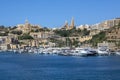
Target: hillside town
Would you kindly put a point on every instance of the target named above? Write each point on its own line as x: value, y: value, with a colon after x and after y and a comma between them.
x: 29, y: 35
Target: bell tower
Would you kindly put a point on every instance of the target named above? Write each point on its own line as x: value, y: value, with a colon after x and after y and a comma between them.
x: 72, y: 23
x: 27, y: 26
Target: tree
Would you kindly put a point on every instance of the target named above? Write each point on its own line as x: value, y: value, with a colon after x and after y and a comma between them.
x: 75, y: 43
x: 14, y: 27
x: 85, y: 32
x: 25, y: 37
x: 16, y: 32
x: 117, y: 43
x: 98, y: 38
x: 119, y: 24
x: 2, y: 27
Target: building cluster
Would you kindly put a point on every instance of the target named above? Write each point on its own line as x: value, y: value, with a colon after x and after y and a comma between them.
x: 41, y: 37
x: 113, y: 35
x: 8, y: 42
x: 97, y: 28
x: 27, y: 27
x: 106, y: 24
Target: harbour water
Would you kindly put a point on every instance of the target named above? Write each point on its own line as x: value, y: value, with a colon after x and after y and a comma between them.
x: 41, y: 67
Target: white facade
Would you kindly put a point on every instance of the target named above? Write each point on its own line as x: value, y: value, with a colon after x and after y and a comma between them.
x: 86, y: 26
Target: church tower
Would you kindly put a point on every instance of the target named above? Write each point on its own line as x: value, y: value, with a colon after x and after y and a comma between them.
x: 27, y: 26
x: 26, y: 21
x: 72, y: 23
x: 66, y: 25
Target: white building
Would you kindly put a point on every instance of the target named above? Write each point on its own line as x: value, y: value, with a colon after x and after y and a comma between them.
x: 86, y: 26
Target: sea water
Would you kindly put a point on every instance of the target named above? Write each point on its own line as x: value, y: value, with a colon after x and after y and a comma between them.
x: 40, y: 67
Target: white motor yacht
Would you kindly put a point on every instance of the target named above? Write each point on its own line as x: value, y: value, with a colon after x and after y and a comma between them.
x: 103, y: 51
x: 117, y: 52
x: 81, y: 52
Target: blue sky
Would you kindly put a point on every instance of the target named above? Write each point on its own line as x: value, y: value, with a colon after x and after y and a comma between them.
x: 53, y: 13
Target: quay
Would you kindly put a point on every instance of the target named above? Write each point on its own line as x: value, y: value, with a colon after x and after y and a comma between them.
x: 65, y: 51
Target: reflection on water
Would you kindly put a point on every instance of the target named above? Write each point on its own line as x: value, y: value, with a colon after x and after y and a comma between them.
x: 38, y: 67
